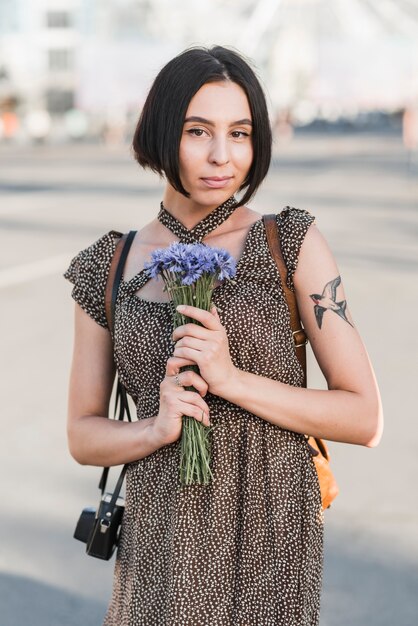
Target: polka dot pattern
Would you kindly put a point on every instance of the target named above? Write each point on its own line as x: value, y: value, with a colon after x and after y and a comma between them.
x: 210, y: 222
x: 246, y: 550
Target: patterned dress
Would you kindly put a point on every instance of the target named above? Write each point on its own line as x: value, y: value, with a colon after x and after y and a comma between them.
x: 246, y: 550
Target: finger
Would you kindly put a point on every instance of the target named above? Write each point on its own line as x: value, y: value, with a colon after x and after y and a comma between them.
x: 197, y: 413
x: 191, y: 379
x: 174, y: 363
x: 192, y: 397
x: 214, y: 312
x: 206, y: 318
x: 192, y: 330
x: 188, y: 353
x: 190, y: 342
x: 205, y: 419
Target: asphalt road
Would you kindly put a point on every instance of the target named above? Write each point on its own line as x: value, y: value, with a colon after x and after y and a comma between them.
x: 55, y: 200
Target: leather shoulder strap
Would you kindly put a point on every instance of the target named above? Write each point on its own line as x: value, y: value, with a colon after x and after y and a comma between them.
x: 115, y: 275
x: 112, y: 285
x: 299, y: 335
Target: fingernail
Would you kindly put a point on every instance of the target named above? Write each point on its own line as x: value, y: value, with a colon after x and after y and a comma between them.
x: 181, y: 307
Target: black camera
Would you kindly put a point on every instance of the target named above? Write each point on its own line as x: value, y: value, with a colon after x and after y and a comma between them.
x: 100, y: 529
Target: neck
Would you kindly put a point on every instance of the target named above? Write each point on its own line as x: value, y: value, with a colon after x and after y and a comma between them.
x: 188, y: 211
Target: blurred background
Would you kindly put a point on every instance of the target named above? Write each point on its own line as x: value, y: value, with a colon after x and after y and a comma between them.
x: 341, y: 78
x: 80, y: 69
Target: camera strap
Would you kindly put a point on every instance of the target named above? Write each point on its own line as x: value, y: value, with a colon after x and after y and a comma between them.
x: 121, y: 400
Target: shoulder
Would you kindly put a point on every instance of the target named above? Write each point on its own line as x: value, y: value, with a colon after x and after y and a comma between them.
x: 306, y: 251
x: 88, y: 271
x: 98, y: 254
x: 102, y: 248
x: 293, y: 225
x: 317, y: 264
x: 316, y: 259
x: 293, y: 221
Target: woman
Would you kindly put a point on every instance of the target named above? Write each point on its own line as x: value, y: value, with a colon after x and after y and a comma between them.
x: 246, y: 549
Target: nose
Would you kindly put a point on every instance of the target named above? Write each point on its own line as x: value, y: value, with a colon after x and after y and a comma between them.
x: 219, y: 152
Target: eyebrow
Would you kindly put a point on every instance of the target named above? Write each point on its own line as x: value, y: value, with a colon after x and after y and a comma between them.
x: 202, y: 120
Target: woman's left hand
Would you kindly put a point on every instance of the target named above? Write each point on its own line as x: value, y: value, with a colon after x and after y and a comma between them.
x: 205, y: 345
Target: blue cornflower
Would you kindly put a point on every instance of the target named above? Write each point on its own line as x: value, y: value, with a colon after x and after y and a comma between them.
x: 190, y: 261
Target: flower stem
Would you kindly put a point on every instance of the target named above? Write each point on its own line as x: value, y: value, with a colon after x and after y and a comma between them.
x: 196, y: 438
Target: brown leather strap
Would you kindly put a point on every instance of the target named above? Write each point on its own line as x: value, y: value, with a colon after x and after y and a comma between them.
x: 299, y: 336
x: 111, y: 279
x: 318, y: 447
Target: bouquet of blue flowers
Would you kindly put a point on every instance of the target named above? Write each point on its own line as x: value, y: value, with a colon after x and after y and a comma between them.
x: 189, y: 272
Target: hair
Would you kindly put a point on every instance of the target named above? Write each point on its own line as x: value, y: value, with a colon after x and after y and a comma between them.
x: 156, y: 140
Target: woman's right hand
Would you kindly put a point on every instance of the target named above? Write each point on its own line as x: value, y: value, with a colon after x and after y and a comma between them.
x: 175, y: 401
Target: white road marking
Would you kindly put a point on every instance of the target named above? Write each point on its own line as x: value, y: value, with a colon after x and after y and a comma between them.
x: 31, y: 271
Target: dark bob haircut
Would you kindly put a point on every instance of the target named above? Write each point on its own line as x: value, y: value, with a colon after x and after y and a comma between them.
x: 156, y: 141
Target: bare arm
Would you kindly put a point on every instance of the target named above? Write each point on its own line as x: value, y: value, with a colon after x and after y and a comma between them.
x: 96, y: 440
x: 93, y: 439
x: 350, y: 411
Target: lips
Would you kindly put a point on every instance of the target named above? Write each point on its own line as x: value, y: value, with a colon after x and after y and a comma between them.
x: 217, y: 181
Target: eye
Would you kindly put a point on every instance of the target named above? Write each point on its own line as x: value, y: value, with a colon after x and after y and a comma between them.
x: 197, y: 132
x: 237, y: 134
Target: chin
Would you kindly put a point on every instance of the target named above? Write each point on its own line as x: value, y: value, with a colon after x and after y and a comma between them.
x: 212, y: 197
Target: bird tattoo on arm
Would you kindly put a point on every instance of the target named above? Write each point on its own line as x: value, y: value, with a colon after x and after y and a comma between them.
x: 327, y: 302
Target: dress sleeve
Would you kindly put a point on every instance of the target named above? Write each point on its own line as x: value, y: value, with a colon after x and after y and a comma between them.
x: 88, y: 272
x: 293, y: 225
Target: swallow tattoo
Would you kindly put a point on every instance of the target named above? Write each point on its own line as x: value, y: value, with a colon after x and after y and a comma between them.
x: 327, y: 301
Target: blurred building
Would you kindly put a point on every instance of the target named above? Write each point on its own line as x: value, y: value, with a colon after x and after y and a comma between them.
x: 84, y: 66
x: 58, y: 56
x: 38, y: 41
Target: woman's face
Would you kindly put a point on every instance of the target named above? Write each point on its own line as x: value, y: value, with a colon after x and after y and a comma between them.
x: 216, y: 149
